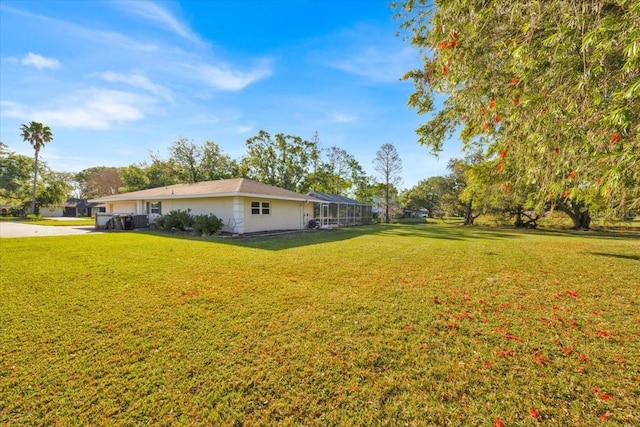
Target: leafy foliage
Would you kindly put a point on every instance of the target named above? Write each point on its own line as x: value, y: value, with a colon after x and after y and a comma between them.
x: 99, y: 181
x: 15, y: 174
x: 550, y: 85
x: 281, y: 160
x: 207, y: 225
x: 195, y: 163
x: 184, y: 220
x: 56, y: 190
x: 178, y: 219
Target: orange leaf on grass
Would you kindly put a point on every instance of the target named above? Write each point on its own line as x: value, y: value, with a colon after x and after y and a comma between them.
x: 615, y: 138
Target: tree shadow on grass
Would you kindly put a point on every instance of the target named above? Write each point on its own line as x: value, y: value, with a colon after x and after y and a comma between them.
x: 593, y: 233
x: 622, y: 256
x: 277, y: 241
x: 453, y: 232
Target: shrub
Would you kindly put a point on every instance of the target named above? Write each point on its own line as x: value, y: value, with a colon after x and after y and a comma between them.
x: 33, y: 217
x: 206, y: 224
x: 181, y: 220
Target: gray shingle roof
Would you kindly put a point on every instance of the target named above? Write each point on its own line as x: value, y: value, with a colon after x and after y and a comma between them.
x: 220, y: 188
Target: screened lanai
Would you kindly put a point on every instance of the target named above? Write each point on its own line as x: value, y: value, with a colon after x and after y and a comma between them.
x: 340, y: 211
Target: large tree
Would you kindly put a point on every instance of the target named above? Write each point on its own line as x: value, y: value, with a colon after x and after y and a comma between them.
x: 56, y: 189
x: 195, y: 163
x: 15, y: 173
x: 37, y: 135
x: 425, y: 194
x: 389, y: 166
x: 549, y: 87
x: 134, y: 178
x: 339, y: 173
x: 99, y: 181
x: 281, y: 160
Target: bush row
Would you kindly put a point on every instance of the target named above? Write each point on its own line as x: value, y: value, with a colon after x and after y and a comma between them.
x: 183, y: 220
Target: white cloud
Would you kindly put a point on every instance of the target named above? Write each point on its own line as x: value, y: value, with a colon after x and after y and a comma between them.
x: 244, y: 129
x: 88, y: 109
x: 12, y: 109
x: 85, y: 33
x: 136, y: 80
x: 40, y: 62
x: 340, y: 117
x: 153, y: 12
x: 376, y: 64
x: 371, y: 52
x: 228, y: 79
x: 9, y: 60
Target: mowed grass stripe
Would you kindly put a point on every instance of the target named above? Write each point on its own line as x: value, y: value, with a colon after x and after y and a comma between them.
x: 381, y: 325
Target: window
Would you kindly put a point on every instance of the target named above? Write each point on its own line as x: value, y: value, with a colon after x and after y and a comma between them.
x: 154, y: 208
x: 260, y: 208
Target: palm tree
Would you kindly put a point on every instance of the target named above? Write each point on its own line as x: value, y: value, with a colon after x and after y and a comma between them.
x: 37, y: 135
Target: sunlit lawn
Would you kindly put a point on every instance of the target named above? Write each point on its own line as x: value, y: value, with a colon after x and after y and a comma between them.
x: 65, y: 222
x: 381, y: 325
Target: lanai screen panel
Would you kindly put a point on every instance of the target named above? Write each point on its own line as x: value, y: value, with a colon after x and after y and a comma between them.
x: 342, y: 211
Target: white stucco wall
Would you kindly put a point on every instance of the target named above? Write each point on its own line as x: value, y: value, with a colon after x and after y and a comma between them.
x: 122, y: 208
x: 48, y: 212
x: 283, y: 215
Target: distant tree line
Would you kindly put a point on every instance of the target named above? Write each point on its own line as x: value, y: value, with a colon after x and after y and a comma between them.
x: 285, y: 161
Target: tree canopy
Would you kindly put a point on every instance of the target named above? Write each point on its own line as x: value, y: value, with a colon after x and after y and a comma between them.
x: 282, y: 160
x: 547, y: 89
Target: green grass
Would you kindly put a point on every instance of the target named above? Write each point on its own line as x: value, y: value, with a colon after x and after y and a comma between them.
x: 54, y: 222
x: 380, y: 325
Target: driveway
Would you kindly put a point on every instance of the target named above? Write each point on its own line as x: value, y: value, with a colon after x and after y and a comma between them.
x: 10, y: 229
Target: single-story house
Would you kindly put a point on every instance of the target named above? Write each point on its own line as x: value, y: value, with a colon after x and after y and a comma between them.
x: 244, y: 206
x: 72, y: 208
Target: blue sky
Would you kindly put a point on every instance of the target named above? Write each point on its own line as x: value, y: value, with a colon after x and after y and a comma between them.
x: 115, y: 80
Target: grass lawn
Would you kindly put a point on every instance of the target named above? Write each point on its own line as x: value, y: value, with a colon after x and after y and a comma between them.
x: 382, y: 325
x: 64, y: 222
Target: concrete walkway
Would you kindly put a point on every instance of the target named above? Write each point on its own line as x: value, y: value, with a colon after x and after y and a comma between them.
x: 10, y: 229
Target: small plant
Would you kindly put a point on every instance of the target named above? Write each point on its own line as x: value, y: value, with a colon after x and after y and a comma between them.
x: 206, y: 224
x: 33, y: 217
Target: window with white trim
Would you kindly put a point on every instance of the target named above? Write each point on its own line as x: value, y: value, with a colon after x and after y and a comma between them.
x: 154, y: 208
x: 260, y: 208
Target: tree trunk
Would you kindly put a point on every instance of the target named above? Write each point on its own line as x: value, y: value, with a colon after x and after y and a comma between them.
x: 35, y: 180
x: 386, y: 203
x: 578, y: 213
x: 468, y: 215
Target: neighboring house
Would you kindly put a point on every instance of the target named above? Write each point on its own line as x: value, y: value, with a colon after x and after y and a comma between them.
x: 244, y: 206
x: 416, y: 213
x: 72, y: 208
